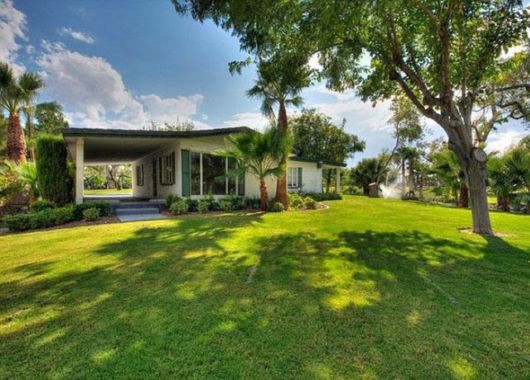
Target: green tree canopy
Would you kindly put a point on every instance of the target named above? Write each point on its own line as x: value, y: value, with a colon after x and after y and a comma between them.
x: 316, y: 136
x: 50, y: 118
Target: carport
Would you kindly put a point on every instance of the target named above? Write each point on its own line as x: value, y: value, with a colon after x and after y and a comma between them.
x: 105, y: 146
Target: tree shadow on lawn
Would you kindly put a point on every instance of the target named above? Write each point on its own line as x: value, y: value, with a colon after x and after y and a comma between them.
x: 178, y: 302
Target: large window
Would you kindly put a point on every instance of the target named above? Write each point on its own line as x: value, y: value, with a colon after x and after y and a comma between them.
x: 213, y: 174
x: 294, y: 176
x: 195, y: 173
x: 208, y: 175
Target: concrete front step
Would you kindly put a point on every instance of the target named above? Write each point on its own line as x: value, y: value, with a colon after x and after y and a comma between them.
x: 159, y: 206
x: 132, y: 218
x: 137, y: 211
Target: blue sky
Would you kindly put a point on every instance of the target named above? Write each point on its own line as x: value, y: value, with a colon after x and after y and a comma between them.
x: 116, y: 64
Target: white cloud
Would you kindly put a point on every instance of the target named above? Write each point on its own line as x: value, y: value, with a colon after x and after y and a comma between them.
x: 12, y: 28
x: 254, y: 120
x: 171, y: 109
x: 501, y: 141
x: 96, y: 97
x: 360, y: 114
x: 77, y: 35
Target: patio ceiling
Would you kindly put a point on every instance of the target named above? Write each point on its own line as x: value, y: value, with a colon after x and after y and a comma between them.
x: 113, y: 146
x: 117, y: 149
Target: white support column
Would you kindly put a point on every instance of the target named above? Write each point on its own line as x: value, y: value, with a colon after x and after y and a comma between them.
x: 337, y: 183
x: 79, y: 169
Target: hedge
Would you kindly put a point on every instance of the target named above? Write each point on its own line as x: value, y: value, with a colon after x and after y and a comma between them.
x: 50, y: 217
x: 41, y: 219
x: 54, y: 179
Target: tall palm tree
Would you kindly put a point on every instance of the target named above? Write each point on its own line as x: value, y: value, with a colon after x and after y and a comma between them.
x: 14, y: 94
x: 280, y: 82
x: 257, y: 154
x: 30, y: 84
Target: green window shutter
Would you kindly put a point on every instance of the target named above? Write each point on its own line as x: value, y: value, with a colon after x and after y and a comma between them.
x: 299, y: 178
x: 241, y: 185
x: 173, y: 168
x: 160, y: 170
x: 186, y: 180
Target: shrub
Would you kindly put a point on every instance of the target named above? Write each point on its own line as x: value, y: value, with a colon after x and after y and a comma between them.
x: 90, y: 214
x: 236, y: 202
x: 193, y: 204
x: 203, y: 205
x: 252, y: 203
x: 295, y: 200
x: 319, y: 197
x: 179, y: 207
x: 55, y: 181
x: 42, y: 205
x: 226, y: 204
x: 310, y: 203
x: 213, y: 205
x: 40, y: 219
x: 275, y: 206
x: 105, y: 208
x: 170, y: 199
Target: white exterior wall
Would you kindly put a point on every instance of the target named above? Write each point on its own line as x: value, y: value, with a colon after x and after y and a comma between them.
x: 311, y: 174
x: 311, y: 180
x: 146, y: 191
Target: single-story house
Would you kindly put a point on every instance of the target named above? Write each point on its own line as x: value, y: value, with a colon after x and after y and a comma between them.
x: 182, y: 163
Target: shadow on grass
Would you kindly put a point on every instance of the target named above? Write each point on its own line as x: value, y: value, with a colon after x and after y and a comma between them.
x: 178, y: 302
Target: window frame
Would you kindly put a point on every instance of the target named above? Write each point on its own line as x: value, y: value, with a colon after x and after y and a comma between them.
x: 227, y: 179
x: 167, y: 169
x: 293, y: 173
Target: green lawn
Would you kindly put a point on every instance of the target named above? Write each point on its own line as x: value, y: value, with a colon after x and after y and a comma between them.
x: 107, y: 192
x: 368, y: 288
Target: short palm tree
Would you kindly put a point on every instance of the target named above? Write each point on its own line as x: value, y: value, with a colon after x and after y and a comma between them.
x: 280, y: 82
x: 500, y: 181
x: 14, y: 95
x: 258, y: 154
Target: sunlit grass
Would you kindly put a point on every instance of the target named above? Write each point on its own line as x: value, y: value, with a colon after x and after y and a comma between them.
x: 367, y: 288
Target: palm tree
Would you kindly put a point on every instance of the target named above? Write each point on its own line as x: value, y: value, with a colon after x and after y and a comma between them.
x: 500, y: 181
x: 14, y: 94
x: 257, y: 154
x: 30, y: 82
x: 280, y: 82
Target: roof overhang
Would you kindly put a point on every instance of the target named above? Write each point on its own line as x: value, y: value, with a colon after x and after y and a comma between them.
x: 114, y: 146
x: 322, y: 163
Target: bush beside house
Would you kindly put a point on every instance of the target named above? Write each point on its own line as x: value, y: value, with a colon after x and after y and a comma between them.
x: 55, y: 181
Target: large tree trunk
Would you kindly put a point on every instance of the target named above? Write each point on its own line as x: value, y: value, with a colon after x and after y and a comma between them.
x: 16, y: 145
x: 29, y: 127
x: 281, y: 183
x: 412, y: 182
x: 476, y: 177
x: 503, y: 203
x: 264, y: 195
x: 402, y: 184
x: 463, y: 199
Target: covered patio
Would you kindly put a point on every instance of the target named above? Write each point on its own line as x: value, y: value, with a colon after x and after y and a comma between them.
x: 102, y: 147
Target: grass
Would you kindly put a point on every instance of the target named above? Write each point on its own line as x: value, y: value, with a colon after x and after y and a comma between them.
x: 368, y: 288
x: 107, y: 192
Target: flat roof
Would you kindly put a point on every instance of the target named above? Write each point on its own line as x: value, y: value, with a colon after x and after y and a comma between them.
x: 324, y: 162
x: 93, y: 132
